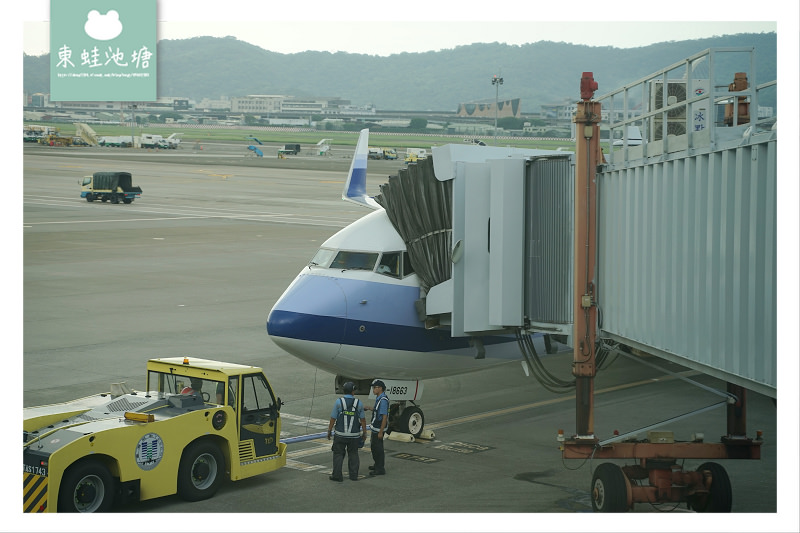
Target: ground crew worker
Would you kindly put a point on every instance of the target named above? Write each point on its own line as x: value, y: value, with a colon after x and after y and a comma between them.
x: 195, y: 388
x: 380, y: 420
x: 346, y: 416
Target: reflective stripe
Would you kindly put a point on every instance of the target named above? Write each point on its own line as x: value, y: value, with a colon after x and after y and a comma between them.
x: 376, y: 418
x: 349, y: 427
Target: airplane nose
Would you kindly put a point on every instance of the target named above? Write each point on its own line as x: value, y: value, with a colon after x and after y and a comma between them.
x: 313, y: 308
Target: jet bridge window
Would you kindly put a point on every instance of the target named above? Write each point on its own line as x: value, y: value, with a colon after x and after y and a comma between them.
x: 355, y: 260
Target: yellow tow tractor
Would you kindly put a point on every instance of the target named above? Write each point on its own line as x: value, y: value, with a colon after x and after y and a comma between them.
x: 200, y: 422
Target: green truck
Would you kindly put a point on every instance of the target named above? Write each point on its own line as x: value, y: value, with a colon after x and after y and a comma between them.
x: 113, y: 186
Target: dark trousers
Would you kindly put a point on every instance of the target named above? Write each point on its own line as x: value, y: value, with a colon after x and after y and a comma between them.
x: 340, y: 446
x: 376, y: 445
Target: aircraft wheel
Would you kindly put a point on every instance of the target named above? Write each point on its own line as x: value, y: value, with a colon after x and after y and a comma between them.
x: 86, y: 488
x: 719, y: 497
x: 609, y: 492
x: 201, y: 471
x: 411, y: 421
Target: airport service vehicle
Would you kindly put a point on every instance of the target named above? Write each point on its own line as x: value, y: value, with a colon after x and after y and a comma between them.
x: 148, y: 140
x: 413, y: 154
x: 382, y: 153
x: 114, y: 186
x: 292, y: 148
x: 197, y: 422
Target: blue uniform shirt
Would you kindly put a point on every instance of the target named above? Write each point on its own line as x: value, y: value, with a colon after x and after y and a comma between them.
x: 381, y: 409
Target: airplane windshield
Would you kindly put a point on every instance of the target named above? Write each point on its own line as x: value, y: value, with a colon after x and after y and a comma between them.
x: 355, y: 260
x: 395, y: 265
x: 322, y: 258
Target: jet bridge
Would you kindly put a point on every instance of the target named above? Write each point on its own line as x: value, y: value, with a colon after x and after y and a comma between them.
x: 663, y: 242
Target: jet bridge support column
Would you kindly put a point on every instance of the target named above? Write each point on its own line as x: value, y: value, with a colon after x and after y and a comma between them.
x: 658, y: 477
x: 587, y: 156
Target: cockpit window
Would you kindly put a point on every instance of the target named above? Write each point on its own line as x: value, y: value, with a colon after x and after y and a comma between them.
x: 322, y: 258
x: 395, y: 264
x: 390, y: 265
x: 355, y: 260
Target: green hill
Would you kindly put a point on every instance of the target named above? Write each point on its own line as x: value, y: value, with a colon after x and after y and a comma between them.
x: 537, y: 73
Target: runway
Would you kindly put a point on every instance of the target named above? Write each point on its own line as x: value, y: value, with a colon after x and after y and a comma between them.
x: 193, y: 267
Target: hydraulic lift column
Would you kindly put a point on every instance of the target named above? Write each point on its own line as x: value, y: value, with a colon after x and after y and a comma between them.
x: 588, y: 155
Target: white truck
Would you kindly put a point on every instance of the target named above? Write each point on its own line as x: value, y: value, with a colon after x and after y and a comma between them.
x: 149, y: 140
x: 413, y: 154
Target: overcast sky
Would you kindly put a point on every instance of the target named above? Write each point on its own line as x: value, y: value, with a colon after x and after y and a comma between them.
x: 417, y: 26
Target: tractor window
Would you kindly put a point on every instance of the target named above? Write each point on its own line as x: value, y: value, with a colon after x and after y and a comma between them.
x: 256, y: 394
x: 232, y: 390
x: 165, y: 384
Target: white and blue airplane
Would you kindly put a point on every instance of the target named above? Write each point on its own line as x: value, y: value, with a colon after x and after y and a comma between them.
x: 351, y: 312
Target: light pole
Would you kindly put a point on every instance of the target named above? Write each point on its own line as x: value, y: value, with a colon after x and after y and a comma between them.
x: 132, y: 107
x: 497, y: 82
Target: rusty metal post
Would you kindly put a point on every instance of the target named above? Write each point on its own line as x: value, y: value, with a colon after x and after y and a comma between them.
x: 587, y: 156
x: 737, y: 412
x: 742, y: 104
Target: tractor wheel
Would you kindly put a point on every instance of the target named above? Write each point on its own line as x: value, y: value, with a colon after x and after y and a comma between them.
x: 87, y: 487
x: 201, y: 471
x: 609, y: 491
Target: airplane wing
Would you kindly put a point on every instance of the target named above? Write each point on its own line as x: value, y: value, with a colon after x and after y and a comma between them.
x: 355, y: 189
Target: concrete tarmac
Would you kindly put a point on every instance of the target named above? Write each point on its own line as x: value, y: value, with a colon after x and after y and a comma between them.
x: 193, y: 267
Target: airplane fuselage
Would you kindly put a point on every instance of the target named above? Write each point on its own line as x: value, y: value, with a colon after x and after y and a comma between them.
x: 352, y: 312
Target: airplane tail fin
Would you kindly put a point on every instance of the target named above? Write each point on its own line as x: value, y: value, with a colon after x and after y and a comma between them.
x: 355, y: 189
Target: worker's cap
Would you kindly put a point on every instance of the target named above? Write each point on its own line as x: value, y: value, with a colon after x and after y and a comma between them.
x: 348, y: 387
x: 379, y: 383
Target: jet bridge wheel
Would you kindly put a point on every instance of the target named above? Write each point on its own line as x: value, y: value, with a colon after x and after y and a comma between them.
x: 87, y: 487
x: 719, y: 497
x: 609, y: 490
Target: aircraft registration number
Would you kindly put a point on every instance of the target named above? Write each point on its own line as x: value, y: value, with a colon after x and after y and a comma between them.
x: 395, y: 391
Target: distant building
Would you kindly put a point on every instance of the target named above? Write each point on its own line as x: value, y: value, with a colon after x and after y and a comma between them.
x: 256, y: 104
x: 484, y: 109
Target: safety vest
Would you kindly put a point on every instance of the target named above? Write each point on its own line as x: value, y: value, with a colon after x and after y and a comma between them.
x: 377, y: 419
x: 348, y: 423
